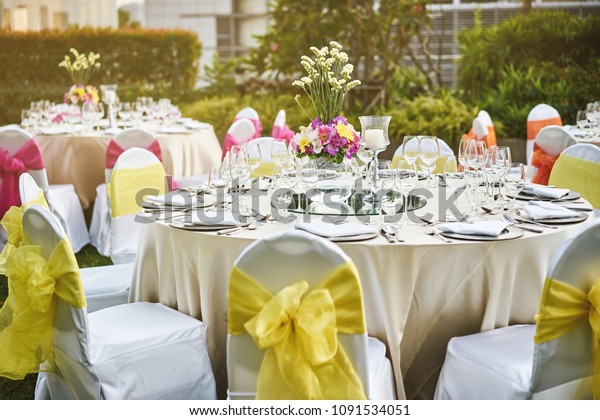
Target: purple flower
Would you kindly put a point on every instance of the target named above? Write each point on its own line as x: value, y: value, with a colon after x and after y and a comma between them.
x: 339, y: 119
x: 316, y: 123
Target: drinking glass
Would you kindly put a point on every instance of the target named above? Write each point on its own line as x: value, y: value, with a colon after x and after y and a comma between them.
x: 26, y: 119
x: 454, y: 173
x: 582, y: 120
x: 392, y: 198
x: 365, y: 156
x: 254, y: 156
x: 429, y: 151
x: 476, y: 193
x: 410, y: 148
x: 475, y: 154
x: 494, y: 168
x: 279, y: 153
x: 462, y: 150
x: 407, y: 179
x: 126, y: 111
x: 88, y: 116
x: 515, y: 182
x: 308, y: 174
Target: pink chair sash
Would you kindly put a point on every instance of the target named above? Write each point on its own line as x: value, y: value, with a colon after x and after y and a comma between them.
x: 28, y: 157
x: 228, y: 143
x: 114, y: 150
x: 282, y: 133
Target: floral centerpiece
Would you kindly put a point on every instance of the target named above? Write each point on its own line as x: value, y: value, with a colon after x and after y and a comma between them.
x: 329, y: 137
x: 81, y: 69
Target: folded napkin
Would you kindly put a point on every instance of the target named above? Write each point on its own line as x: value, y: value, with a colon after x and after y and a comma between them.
x: 58, y: 129
x: 214, y: 218
x: 545, y: 192
x: 183, y: 120
x: 537, y: 210
x: 173, y: 130
x: 486, y: 228
x: 170, y: 199
x: 196, y: 125
x: 330, y: 230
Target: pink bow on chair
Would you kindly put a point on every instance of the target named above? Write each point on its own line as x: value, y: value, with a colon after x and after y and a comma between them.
x: 257, y: 127
x: 28, y: 157
x: 114, y: 150
x: 228, y: 143
x: 282, y: 133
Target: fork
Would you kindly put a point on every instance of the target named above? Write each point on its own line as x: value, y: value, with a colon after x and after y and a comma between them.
x: 512, y: 222
x: 533, y: 222
x: 430, y: 231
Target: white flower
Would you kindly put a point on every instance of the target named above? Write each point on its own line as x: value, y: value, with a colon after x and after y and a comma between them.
x: 298, y: 83
x: 335, y: 44
x: 307, y: 80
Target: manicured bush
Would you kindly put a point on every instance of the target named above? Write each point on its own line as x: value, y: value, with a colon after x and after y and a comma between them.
x: 158, y: 63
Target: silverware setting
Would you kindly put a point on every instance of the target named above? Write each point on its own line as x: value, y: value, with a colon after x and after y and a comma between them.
x: 430, y: 231
x: 520, y: 225
x: 521, y: 213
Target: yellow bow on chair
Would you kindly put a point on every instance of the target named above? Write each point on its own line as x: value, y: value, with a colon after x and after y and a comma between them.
x: 27, y: 315
x: 303, y: 359
x: 13, y: 225
x: 563, y: 309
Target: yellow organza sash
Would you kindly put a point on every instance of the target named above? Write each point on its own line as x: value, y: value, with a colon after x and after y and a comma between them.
x: 126, y: 184
x: 439, y: 165
x: 563, y: 309
x: 298, y: 328
x: 27, y: 315
x: 265, y: 169
x: 578, y: 175
x: 13, y: 225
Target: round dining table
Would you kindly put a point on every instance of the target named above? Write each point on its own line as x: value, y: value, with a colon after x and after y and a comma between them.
x: 80, y: 159
x: 418, y: 293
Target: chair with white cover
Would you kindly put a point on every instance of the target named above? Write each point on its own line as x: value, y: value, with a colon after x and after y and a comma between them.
x: 251, y: 114
x: 280, y: 130
x: 132, y: 351
x: 126, y: 139
x: 279, y: 286
x: 104, y: 286
x: 20, y: 152
x: 263, y: 146
x: 240, y: 131
x: 550, y: 141
x: 539, y: 117
x: 485, y: 118
x: 578, y: 169
x: 137, y: 173
x: 553, y: 359
x: 444, y: 149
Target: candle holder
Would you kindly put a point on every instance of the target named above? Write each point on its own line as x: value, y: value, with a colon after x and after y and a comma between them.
x: 374, y: 137
x: 109, y: 97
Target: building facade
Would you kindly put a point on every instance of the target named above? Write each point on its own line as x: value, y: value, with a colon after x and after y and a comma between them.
x: 35, y: 15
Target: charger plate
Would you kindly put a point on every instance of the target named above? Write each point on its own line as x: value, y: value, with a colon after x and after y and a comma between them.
x: 511, y: 232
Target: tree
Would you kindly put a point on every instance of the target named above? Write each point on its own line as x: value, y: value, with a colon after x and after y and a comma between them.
x: 378, y: 35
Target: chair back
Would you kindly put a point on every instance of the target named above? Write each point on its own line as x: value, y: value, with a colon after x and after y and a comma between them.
x: 126, y: 139
x: 276, y: 262
x: 578, y: 169
x: 70, y: 336
x: 253, y: 116
x: 563, y: 366
x: 264, y: 146
x: 445, y: 151
x: 240, y: 131
x: 30, y: 192
x: 280, y: 130
x: 137, y: 173
x: 553, y: 139
x: 280, y: 119
x: 19, y: 153
x: 539, y: 117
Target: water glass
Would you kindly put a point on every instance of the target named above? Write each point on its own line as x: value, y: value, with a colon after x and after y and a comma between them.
x: 514, y: 182
x: 407, y: 179
x: 429, y: 151
x: 477, y: 193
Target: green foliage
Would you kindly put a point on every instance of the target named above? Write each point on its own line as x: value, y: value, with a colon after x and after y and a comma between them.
x: 443, y: 116
x: 526, y: 41
x: 220, y: 76
x: 376, y: 34
x: 142, y: 62
x: 541, y: 57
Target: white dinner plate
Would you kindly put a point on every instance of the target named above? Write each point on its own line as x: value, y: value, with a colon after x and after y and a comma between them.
x: 511, y: 232
x: 520, y: 215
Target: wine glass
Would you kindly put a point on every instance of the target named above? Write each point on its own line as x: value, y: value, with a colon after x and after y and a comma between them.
x: 429, y: 151
x: 475, y: 154
x: 494, y: 169
x: 462, y: 150
x: 88, y: 116
x: 454, y: 173
x: 279, y: 153
x: 515, y: 182
x: 476, y: 193
x: 407, y: 178
x: 254, y: 156
x: 126, y: 111
x: 365, y: 156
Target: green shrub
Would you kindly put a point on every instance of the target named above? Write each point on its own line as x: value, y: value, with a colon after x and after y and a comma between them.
x: 158, y: 63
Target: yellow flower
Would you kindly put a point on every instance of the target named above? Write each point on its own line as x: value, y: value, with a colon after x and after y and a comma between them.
x: 79, y: 91
x: 344, y: 131
x: 304, y: 143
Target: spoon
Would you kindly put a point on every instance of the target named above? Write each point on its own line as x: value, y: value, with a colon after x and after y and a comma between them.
x: 231, y: 231
x: 430, y: 231
x: 390, y: 238
x: 393, y: 230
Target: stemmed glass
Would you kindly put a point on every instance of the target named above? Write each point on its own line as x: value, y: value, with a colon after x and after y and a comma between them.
x: 474, y: 154
x: 410, y: 149
x: 407, y: 179
x: 365, y: 156
x: 88, y: 116
x: 254, y: 156
x: 514, y: 182
x: 495, y: 166
x: 429, y: 151
x: 476, y: 192
x: 307, y: 176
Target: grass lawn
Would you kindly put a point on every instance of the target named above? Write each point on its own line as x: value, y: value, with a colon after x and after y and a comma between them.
x: 23, y: 390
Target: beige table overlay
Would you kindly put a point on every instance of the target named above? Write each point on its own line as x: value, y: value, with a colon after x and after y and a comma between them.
x: 417, y: 294
x: 80, y: 160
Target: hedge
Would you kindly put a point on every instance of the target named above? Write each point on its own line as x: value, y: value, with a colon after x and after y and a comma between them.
x: 158, y: 63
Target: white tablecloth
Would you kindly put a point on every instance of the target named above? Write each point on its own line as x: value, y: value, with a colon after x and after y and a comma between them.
x: 418, y: 294
x: 80, y: 159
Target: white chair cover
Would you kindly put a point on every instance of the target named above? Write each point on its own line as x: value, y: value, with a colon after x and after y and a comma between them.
x: 132, y: 351
x: 553, y: 139
x: 61, y: 198
x: 100, y: 224
x: 278, y: 261
x: 265, y: 144
x: 479, y: 128
x: 124, y: 230
x: 506, y: 364
x: 247, y: 112
x: 105, y: 285
x: 280, y: 118
x: 540, y: 116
